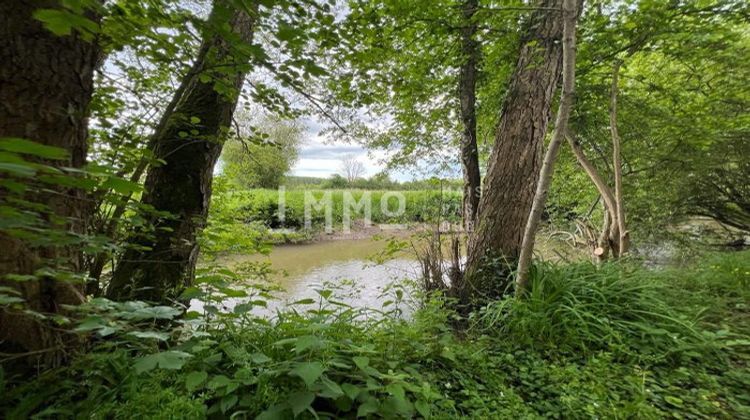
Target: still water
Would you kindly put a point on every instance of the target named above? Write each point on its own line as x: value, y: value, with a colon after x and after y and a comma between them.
x: 346, y: 266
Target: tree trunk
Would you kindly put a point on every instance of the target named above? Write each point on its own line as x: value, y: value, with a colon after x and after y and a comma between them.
x: 46, y: 83
x: 516, y: 156
x: 467, y: 82
x: 605, y: 242
x: 160, y: 266
x: 561, y: 126
x: 622, y: 234
x: 110, y: 227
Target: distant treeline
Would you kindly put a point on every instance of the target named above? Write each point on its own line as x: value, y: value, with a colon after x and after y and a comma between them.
x: 376, y: 182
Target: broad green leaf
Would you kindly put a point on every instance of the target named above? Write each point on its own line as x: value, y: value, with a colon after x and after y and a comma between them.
x: 362, y: 362
x: 307, y: 342
x: 166, y: 360
x: 260, y: 358
x: 63, y: 22
x: 218, y: 381
x: 228, y: 401
x: 300, y: 401
x: 121, y: 186
x: 423, y: 407
x: 195, y: 379
x: 351, y: 390
x: 368, y: 407
x: 331, y: 389
x: 276, y: 412
x: 308, y: 371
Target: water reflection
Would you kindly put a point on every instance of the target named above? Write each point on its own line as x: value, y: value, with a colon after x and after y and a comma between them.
x: 343, y: 266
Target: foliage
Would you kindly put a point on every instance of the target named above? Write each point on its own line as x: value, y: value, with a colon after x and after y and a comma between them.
x: 637, y: 358
x: 580, y: 308
x: 262, y: 164
x: 262, y: 206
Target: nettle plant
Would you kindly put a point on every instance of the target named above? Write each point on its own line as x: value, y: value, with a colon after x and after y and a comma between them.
x: 307, y: 358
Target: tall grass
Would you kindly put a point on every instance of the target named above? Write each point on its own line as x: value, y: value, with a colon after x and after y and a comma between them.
x: 583, y: 308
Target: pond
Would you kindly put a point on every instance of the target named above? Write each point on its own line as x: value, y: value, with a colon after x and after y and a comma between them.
x: 346, y: 266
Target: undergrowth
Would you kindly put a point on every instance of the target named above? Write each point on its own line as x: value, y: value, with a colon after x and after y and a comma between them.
x: 616, y: 341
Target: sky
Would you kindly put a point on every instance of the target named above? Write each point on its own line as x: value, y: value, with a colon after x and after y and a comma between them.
x: 320, y: 157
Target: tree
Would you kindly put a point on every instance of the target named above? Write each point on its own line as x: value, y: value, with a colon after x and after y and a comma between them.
x: 419, y: 66
x: 467, y: 85
x: 352, y: 168
x: 164, y: 261
x: 47, y: 83
x: 513, y: 170
x: 262, y: 161
x: 569, y: 15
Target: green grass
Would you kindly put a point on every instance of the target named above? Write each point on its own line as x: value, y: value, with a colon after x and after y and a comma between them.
x: 612, y: 342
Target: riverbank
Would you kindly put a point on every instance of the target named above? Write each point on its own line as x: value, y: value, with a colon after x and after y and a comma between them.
x: 616, y: 341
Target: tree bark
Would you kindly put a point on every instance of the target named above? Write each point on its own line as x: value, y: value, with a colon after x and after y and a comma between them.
x: 516, y: 156
x: 110, y: 228
x: 622, y: 234
x: 159, y: 267
x: 561, y: 126
x: 467, y: 82
x: 46, y: 83
x: 605, y: 242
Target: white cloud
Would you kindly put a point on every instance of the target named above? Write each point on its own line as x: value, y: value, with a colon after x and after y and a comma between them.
x: 320, y: 157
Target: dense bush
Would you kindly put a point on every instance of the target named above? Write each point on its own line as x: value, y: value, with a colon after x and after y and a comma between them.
x: 262, y: 206
x: 610, y: 342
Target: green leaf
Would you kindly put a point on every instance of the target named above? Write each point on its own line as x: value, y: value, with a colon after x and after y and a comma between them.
x: 351, y: 390
x: 150, y: 334
x: 423, y: 408
x: 16, y: 169
x: 307, y: 301
x: 301, y: 401
x: 362, y: 362
x: 121, y: 186
x: 259, y: 358
x: 218, y: 381
x: 62, y: 22
x: 28, y: 147
x: 195, y: 379
x: 228, y: 402
x: 276, y: 412
x: 368, y: 407
x: 308, y: 371
x: 307, y: 342
x: 7, y: 300
x: 397, y: 391
x: 154, y: 312
x: 331, y: 389
x: 166, y: 360
x: 325, y: 293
